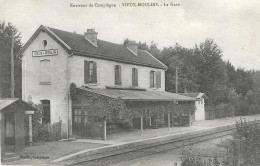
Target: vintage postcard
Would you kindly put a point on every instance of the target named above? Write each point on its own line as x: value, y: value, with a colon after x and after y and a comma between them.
x: 130, y: 82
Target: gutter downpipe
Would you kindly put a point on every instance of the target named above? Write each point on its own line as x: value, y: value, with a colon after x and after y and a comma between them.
x: 68, y: 84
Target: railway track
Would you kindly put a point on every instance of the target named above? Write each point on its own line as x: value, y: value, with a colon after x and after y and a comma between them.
x: 139, y: 149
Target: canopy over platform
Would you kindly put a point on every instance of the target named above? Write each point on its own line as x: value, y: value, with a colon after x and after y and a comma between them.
x: 127, y: 106
x: 197, y: 95
x: 137, y: 94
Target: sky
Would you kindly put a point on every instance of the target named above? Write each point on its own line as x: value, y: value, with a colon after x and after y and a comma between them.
x: 233, y: 24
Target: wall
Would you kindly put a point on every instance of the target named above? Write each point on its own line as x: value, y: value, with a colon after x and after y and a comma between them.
x: 57, y: 91
x: 106, y: 73
x: 200, y: 110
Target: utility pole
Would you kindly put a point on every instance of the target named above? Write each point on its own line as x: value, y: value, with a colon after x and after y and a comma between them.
x: 12, y: 65
x: 176, y: 83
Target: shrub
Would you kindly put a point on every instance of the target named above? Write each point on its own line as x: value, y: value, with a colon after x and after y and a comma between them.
x: 188, y: 158
x: 250, y: 131
x: 40, y: 133
x: 247, y: 131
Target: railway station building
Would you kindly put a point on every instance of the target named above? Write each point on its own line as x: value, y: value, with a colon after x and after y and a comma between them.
x: 97, y: 87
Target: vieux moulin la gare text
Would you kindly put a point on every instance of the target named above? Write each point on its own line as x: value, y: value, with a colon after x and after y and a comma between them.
x: 112, y: 5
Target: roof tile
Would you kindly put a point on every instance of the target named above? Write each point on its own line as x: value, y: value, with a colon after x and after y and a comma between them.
x: 107, y: 50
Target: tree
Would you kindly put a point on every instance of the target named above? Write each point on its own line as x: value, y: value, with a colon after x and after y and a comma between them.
x: 212, y: 78
x: 5, y: 60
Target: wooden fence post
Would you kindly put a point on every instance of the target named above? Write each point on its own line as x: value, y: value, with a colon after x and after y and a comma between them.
x: 242, y: 151
x: 60, y: 129
x: 169, y: 121
x: 105, y: 130
x: 142, y: 125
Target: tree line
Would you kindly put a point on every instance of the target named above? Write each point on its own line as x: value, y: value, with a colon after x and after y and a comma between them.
x: 230, y: 91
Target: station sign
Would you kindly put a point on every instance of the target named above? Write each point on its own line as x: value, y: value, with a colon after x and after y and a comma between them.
x: 50, y: 52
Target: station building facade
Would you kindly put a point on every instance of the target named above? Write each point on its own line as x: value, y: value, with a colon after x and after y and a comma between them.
x: 53, y: 60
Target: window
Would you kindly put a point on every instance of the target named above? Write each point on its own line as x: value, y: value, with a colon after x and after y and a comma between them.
x: 118, y: 80
x: 46, y: 111
x: 134, y: 77
x: 90, y: 72
x: 158, y: 79
x: 155, y: 79
x: 44, y: 72
x: 44, y: 42
x: 152, y: 79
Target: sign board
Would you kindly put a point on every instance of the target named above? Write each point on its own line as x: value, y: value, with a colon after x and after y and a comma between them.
x: 45, y: 52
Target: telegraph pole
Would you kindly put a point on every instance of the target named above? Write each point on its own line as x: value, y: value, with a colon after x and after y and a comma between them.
x: 12, y: 65
x: 176, y: 83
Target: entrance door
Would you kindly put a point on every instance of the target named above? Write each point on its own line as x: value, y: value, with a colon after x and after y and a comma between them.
x: 77, y: 121
x: 9, y: 126
x: 85, y: 124
x: 97, y: 127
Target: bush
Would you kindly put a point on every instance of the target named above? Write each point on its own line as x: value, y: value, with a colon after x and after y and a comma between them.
x: 188, y: 158
x: 40, y: 133
x: 249, y: 131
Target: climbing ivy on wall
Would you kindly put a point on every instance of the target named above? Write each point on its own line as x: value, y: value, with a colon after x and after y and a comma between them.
x: 118, y: 109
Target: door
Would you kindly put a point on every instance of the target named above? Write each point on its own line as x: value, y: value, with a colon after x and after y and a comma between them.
x: 97, y: 127
x: 85, y: 124
x: 9, y: 125
x: 77, y: 121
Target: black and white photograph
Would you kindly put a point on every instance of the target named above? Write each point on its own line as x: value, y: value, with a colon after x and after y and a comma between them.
x: 130, y: 82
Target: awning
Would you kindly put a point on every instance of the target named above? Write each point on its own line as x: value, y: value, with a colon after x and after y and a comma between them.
x: 138, y: 95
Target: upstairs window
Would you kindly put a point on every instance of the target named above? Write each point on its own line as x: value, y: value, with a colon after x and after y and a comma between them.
x: 155, y: 79
x: 118, y: 80
x: 44, y: 72
x: 152, y: 79
x: 90, y: 72
x: 158, y: 79
x: 134, y: 77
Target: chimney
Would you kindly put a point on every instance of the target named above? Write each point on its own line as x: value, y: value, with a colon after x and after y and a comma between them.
x: 91, y: 36
x: 132, y: 46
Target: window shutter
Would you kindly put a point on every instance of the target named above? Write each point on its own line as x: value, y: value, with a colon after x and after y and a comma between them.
x: 94, y: 72
x: 116, y: 75
x: 136, y: 75
x: 151, y: 79
x: 86, y: 72
x: 158, y: 79
x: 133, y: 76
x: 119, y: 75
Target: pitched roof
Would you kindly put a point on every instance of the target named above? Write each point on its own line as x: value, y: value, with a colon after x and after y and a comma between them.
x: 197, y: 95
x: 9, y: 101
x: 138, y: 95
x: 6, y: 102
x: 78, y: 45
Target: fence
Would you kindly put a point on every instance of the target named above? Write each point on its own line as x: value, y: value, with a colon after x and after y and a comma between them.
x: 54, y: 131
x: 209, y: 115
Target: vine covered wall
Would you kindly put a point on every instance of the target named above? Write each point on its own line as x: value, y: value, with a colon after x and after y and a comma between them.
x: 118, y: 109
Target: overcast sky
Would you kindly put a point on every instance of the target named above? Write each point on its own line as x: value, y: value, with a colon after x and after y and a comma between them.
x: 233, y: 24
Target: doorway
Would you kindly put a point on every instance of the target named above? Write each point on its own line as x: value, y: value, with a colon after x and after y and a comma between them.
x: 85, y: 125
x: 9, y: 126
x: 46, y: 111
